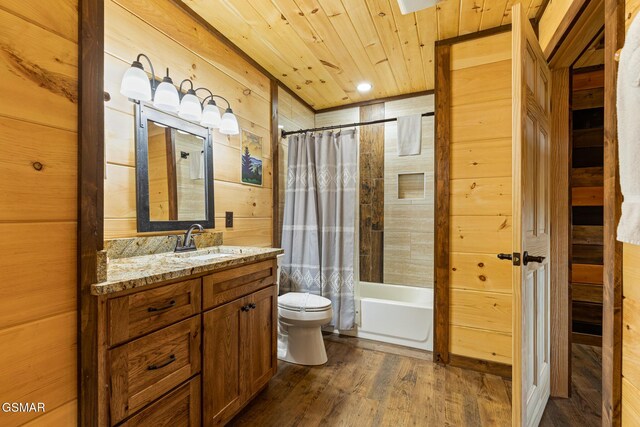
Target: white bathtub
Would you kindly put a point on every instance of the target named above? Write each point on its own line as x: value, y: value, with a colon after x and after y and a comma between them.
x: 395, y: 314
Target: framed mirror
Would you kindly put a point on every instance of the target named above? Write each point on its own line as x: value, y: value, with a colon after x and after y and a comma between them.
x: 174, y: 172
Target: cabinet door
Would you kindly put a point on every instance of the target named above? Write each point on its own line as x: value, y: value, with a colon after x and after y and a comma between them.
x: 223, y: 374
x: 261, y: 339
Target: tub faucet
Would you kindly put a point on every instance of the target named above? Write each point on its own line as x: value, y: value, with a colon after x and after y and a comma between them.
x: 187, y: 243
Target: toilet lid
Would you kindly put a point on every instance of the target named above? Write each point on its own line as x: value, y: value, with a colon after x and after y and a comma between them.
x: 300, y: 301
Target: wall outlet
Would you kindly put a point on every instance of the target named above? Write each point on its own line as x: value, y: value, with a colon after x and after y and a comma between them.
x: 228, y: 219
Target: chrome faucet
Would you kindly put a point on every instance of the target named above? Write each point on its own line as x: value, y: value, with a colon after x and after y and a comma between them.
x: 187, y: 243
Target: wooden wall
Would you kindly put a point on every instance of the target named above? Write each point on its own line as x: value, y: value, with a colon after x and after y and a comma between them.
x: 480, y: 198
x: 38, y: 205
x: 587, y: 191
x: 172, y: 39
x: 407, y: 222
x: 292, y: 115
x: 631, y: 310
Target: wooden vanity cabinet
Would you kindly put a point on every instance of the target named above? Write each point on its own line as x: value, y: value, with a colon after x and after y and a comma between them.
x: 188, y: 353
x: 239, y: 342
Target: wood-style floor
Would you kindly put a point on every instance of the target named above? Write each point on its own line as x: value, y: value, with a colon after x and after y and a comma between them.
x: 373, y: 384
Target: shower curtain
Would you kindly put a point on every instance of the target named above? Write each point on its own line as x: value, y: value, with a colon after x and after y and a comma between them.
x: 318, y: 233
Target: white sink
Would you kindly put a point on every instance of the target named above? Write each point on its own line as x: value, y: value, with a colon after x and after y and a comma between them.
x: 202, y: 255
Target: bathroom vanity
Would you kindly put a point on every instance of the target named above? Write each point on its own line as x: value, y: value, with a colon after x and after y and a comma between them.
x: 186, y: 338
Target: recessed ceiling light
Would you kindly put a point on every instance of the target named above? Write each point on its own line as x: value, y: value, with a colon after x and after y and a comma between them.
x: 364, y: 87
x: 409, y: 6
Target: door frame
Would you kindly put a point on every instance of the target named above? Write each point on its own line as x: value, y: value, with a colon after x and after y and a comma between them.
x: 614, y: 28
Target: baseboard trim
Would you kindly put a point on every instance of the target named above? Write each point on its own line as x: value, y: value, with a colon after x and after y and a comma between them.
x: 486, y: 367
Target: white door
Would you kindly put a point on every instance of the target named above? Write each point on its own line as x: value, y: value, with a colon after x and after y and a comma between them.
x: 531, y: 111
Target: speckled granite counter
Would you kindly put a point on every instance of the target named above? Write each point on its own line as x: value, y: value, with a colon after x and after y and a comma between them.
x: 135, y: 272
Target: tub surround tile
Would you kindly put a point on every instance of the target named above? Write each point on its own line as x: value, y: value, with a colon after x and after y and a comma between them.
x: 139, y: 271
x: 150, y: 245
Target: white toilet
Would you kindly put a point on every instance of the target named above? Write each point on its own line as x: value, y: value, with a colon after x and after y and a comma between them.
x: 300, y: 317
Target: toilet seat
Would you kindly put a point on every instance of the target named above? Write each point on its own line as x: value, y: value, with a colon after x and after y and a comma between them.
x: 303, y: 302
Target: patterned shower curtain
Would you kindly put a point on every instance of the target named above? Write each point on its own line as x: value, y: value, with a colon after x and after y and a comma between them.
x: 318, y: 234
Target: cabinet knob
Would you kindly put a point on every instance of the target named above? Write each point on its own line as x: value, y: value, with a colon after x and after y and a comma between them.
x: 252, y: 306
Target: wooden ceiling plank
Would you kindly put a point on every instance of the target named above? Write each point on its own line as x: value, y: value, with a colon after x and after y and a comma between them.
x: 506, y: 16
x: 534, y: 8
x: 249, y: 30
x: 493, y: 13
x: 239, y: 33
x: 407, y: 31
x: 380, y: 76
x: 428, y: 32
x: 362, y: 23
x: 273, y: 28
x: 385, y: 26
x: 448, y: 12
x: 283, y: 16
x: 347, y: 53
x: 470, y: 16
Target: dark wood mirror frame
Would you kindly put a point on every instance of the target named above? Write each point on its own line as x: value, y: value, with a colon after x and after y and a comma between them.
x: 145, y: 113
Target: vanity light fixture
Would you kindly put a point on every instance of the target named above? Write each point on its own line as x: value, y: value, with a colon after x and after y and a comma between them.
x: 137, y: 86
x: 135, y: 82
x: 166, y: 97
x: 210, y: 111
x: 190, y: 108
x: 228, y: 123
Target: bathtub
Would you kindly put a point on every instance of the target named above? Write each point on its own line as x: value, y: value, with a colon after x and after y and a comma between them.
x: 395, y: 314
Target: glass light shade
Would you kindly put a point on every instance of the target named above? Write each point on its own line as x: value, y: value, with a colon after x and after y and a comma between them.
x: 166, y: 97
x: 135, y: 83
x: 190, y: 108
x: 229, y: 123
x: 211, y: 116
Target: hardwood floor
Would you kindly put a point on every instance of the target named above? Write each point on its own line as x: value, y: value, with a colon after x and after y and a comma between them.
x: 373, y: 384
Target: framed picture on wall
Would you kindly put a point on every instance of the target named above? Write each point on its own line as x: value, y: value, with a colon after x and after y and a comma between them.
x: 251, y: 158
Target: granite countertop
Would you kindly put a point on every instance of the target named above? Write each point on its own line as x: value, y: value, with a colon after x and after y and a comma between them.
x: 139, y: 271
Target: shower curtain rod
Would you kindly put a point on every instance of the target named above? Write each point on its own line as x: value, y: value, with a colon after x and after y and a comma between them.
x: 373, y: 122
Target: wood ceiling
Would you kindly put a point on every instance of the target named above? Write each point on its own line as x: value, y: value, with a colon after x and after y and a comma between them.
x: 321, y: 49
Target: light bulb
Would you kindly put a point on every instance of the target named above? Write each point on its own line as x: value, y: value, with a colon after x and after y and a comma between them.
x: 135, y: 83
x: 229, y: 123
x: 166, y: 97
x: 190, y: 108
x: 211, y: 116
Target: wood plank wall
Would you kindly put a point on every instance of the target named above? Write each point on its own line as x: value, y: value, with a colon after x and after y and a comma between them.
x: 372, y: 172
x: 408, y: 222
x: 587, y: 199
x: 631, y: 310
x: 172, y: 39
x: 292, y: 115
x: 480, y: 199
x: 38, y: 209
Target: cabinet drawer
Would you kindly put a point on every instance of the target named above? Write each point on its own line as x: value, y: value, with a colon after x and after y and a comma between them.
x: 134, y: 315
x: 226, y: 286
x: 144, y: 369
x: 179, y: 408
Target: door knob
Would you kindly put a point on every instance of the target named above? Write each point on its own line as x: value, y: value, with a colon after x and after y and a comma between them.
x: 514, y: 258
x: 526, y: 258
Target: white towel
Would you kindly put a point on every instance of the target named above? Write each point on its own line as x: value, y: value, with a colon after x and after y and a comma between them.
x: 629, y: 135
x: 196, y: 165
x: 409, y: 135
